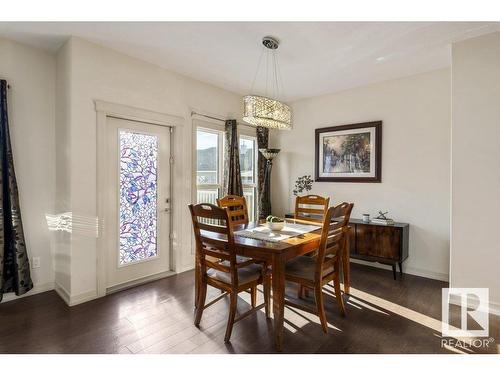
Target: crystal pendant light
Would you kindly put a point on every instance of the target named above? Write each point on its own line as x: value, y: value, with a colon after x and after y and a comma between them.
x: 263, y: 110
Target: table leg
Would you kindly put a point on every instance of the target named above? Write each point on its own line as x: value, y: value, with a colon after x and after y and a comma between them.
x: 346, y: 265
x: 278, y: 281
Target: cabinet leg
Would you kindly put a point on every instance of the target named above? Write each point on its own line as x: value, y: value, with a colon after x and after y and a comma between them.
x: 400, y: 268
x: 394, y: 270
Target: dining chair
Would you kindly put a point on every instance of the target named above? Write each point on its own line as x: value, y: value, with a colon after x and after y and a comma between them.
x: 215, y: 240
x: 341, y: 214
x: 238, y: 214
x: 315, y: 272
x: 316, y: 213
x: 238, y: 211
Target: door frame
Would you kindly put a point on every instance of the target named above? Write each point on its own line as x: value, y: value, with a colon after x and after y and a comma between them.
x: 105, y: 110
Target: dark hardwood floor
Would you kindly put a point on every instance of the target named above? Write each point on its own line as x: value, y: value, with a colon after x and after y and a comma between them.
x: 384, y: 316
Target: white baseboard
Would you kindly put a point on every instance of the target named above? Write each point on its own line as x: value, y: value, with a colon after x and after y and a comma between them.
x: 409, y: 270
x: 83, y: 297
x: 140, y: 281
x: 76, y: 299
x: 40, y: 288
x: 427, y: 274
x: 63, y: 293
x: 72, y: 300
x: 494, y: 307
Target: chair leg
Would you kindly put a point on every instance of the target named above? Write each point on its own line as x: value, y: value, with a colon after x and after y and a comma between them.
x: 338, y: 294
x: 202, y: 295
x: 253, y: 296
x: 300, y: 291
x: 321, y: 308
x: 306, y: 292
x: 267, y: 294
x: 232, y: 315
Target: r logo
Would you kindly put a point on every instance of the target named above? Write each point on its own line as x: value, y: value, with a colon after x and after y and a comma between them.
x: 473, y: 303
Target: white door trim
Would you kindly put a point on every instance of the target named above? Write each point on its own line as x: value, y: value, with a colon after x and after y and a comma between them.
x: 175, y: 123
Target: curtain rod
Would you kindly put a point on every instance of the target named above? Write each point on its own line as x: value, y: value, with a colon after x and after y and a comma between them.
x: 216, y: 118
x: 207, y: 116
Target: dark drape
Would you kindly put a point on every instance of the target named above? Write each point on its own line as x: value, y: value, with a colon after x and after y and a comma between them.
x: 14, y: 264
x: 232, y: 174
x: 264, y: 201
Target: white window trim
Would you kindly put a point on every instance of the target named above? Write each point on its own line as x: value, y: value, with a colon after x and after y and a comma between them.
x: 218, y: 126
x: 220, y: 160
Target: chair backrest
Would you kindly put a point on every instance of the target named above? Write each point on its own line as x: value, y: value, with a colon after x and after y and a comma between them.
x: 333, y: 237
x: 342, y: 212
x: 304, y: 211
x: 214, y: 239
x: 238, y: 212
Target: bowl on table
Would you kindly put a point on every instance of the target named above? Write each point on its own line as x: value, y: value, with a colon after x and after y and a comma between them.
x: 275, y: 223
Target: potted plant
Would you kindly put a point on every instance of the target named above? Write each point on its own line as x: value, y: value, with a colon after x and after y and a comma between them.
x: 303, y: 184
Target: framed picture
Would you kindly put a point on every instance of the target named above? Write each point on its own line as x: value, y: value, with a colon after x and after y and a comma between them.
x: 349, y: 153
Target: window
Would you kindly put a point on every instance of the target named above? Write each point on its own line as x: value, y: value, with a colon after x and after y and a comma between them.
x: 248, y: 162
x: 210, y: 172
x: 208, y: 165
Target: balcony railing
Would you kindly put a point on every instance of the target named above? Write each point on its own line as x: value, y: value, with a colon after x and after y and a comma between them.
x: 207, y: 196
x: 249, y: 195
x: 210, y: 195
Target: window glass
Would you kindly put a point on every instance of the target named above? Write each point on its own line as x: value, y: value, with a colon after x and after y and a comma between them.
x: 247, y: 160
x: 207, y: 154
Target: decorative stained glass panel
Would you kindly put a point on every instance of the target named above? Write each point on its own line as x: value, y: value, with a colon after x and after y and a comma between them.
x: 138, y: 196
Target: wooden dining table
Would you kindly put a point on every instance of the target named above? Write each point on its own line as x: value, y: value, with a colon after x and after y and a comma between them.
x: 277, y: 254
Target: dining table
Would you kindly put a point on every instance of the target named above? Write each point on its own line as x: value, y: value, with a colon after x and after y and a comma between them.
x: 276, y: 254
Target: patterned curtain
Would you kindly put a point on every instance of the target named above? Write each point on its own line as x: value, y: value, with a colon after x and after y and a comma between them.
x: 14, y: 264
x: 262, y: 142
x: 232, y: 174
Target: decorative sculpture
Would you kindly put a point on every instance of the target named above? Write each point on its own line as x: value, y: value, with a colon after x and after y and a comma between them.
x: 382, y: 216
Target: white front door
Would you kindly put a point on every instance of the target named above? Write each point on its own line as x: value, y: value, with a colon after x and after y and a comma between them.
x: 137, y: 201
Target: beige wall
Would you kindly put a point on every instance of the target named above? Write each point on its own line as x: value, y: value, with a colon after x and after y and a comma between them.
x: 62, y: 249
x: 100, y: 73
x: 475, y: 250
x: 31, y: 74
x: 415, y: 184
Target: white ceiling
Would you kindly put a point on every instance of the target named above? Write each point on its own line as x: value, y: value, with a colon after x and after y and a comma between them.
x: 315, y: 58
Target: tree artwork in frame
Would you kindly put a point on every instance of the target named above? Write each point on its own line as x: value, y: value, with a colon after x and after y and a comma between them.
x: 349, y: 153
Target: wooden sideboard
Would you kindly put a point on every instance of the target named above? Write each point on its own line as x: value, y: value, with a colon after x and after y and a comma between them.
x: 386, y: 244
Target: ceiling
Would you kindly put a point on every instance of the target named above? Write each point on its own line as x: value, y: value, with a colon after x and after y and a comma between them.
x: 315, y: 58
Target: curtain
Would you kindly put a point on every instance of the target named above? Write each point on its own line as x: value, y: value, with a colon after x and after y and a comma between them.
x: 262, y: 188
x: 14, y: 265
x: 232, y: 174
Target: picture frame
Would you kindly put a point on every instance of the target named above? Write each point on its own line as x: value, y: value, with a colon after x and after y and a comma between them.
x: 349, y: 153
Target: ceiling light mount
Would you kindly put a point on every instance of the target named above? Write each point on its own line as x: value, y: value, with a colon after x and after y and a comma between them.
x: 270, y: 42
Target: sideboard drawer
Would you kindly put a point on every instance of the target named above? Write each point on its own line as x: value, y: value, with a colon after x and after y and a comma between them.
x: 378, y: 241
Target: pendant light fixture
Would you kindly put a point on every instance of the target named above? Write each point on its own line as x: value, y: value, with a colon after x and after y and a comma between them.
x: 268, y: 111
